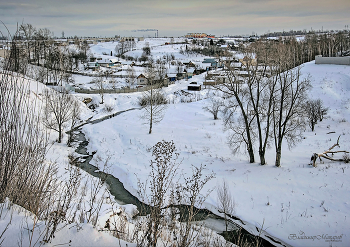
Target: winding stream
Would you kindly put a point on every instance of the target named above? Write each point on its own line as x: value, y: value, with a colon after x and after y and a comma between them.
x: 123, y: 197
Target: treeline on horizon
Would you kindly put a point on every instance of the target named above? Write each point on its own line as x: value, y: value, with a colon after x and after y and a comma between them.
x: 300, y: 32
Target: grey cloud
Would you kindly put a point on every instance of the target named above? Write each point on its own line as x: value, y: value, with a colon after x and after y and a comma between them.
x: 182, y: 16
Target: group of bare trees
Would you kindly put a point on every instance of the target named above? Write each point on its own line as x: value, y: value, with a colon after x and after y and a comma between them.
x: 330, y: 44
x: 37, y: 47
x: 269, y: 96
x: 124, y: 46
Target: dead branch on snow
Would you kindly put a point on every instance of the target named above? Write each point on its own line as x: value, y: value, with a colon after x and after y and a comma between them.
x: 345, y: 157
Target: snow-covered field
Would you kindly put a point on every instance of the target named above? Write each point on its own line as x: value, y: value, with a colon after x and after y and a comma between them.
x: 297, y: 203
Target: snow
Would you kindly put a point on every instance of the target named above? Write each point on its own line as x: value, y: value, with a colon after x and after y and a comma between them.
x: 294, y: 199
x: 297, y: 203
x: 20, y: 233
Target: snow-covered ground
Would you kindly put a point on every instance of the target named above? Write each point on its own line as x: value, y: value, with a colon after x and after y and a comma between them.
x: 294, y: 202
x: 24, y: 231
x: 300, y: 204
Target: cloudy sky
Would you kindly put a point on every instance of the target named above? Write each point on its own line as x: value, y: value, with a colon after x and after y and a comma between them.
x: 174, y: 17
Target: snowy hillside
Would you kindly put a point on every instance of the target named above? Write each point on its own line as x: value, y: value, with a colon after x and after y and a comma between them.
x: 294, y: 201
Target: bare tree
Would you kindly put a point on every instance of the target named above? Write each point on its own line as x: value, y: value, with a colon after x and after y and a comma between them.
x: 261, y: 89
x: 252, y: 90
x: 312, y: 116
x: 119, y: 48
x: 288, y: 109
x: 100, y: 85
x: 179, y: 68
x: 168, y: 193
x: 238, y: 99
x: 131, y: 76
x: 190, y: 193
x: 226, y: 202
x: 60, y: 107
x: 268, y: 85
x: 235, y: 124
x: 214, y: 105
x: 75, y: 116
x: 153, y: 101
x: 146, y: 50
x: 315, y: 112
x: 28, y: 31
x: 163, y: 171
x: 321, y: 110
x: 160, y: 71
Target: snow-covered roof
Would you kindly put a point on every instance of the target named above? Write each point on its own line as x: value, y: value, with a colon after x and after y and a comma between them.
x: 190, y: 70
x: 114, y: 60
x: 105, y: 60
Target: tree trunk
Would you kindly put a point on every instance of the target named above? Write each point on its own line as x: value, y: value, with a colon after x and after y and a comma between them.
x: 150, y: 127
x: 247, y: 127
x: 278, y: 154
x: 262, y: 157
x: 59, y: 134
x: 151, y: 118
x: 251, y: 153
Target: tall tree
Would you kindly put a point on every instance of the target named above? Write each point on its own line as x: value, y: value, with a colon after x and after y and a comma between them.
x: 261, y: 88
x: 288, y: 109
x: 153, y: 101
x: 234, y: 89
x: 28, y: 32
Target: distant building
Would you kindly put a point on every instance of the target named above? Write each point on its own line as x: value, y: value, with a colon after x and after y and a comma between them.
x: 332, y: 60
x: 199, y: 35
x: 135, y: 39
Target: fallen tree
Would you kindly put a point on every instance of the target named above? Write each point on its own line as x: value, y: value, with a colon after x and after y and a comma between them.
x: 345, y: 158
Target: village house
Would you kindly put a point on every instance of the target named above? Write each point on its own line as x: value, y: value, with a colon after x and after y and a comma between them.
x: 106, y: 63
x: 142, y: 80
x: 92, y: 65
x: 189, y: 72
x: 193, y: 86
x: 189, y: 64
x: 213, y: 63
x: 171, y: 77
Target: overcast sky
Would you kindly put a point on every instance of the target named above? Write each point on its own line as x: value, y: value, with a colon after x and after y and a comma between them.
x: 174, y: 17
